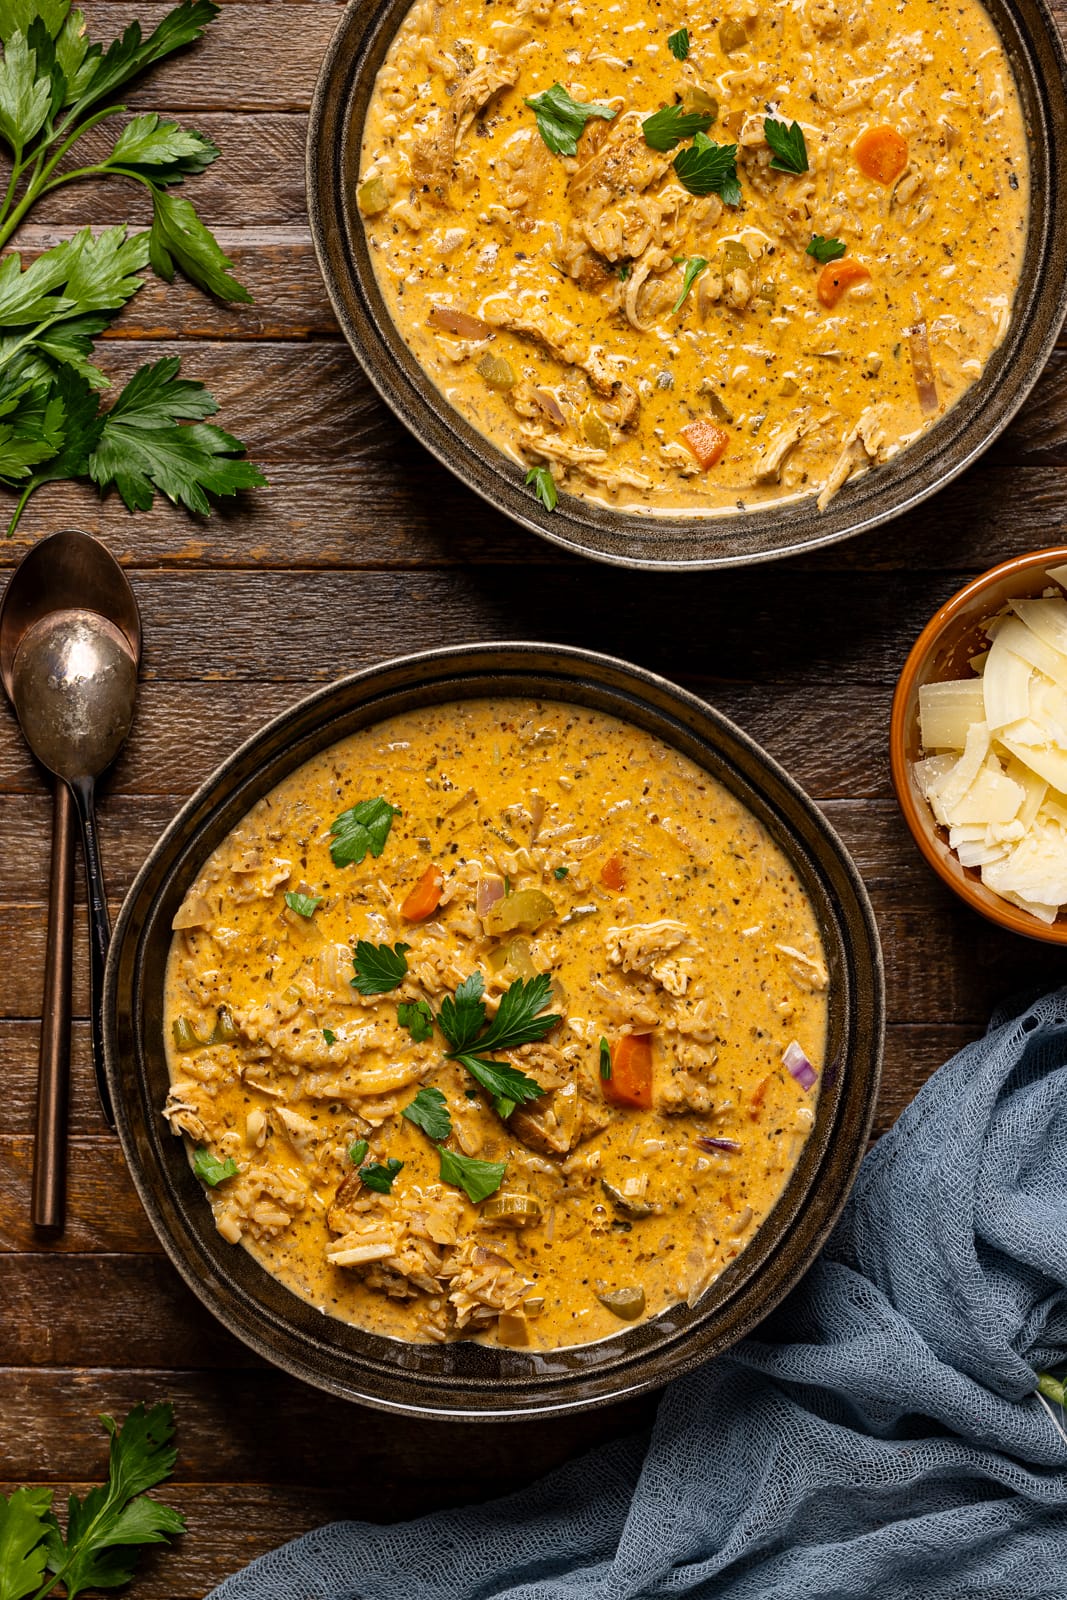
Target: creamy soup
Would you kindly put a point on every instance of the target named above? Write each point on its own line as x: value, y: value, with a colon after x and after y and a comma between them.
x: 730, y: 254
x: 497, y: 1020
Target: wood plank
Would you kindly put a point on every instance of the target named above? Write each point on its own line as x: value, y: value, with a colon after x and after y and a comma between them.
x: 276, y: 264
x: 103, y: 1211
x: 350, y: 489
x: 241, y: 1425
x: 262, y: 57
x: 257, y: 179
x: 231, y: 1524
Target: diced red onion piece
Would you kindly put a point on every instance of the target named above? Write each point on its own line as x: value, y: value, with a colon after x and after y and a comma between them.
x: 717, y: 1144
x: 923, y: 368
x: 800, y: 1066
x: 490, y: 890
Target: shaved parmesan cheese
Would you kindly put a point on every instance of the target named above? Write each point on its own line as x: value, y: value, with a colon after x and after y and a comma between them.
x: 992, y: 797
x: 967, y: 768
x: 1046, y: 618
x: 946, y: 711
x: 1058, y: 575
x: 1043, y: 913
x: 1035, y: 869
x: 1023, y: 641
x: 1047, y: 763
x: 1005, y: 685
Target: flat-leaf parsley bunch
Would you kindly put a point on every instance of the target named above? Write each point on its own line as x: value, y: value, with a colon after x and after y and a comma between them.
x: 55, y: 86
x: 105, y: 1531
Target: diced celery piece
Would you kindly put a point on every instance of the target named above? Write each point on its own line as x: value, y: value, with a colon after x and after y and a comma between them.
x: 947, y: 710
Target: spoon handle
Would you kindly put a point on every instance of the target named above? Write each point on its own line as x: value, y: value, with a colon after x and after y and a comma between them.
x: 99, y: 932
x: 48, y: 1195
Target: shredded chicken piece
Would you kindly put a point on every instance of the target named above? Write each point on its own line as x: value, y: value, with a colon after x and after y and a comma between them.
x: 867, y: 442
x: 780, y: 444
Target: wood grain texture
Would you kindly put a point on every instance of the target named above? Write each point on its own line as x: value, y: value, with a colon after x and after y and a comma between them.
x: 362, y: 547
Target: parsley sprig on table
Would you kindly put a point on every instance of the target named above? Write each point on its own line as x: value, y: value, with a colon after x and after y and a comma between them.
x: 105, y: 1530
x: 56, y: 86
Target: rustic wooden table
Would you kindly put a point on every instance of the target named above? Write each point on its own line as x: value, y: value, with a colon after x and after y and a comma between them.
x: 363, y: 547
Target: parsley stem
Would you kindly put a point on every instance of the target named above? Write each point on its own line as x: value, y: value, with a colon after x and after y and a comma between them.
x: 39, y: 183
x: 16, y: 173
x: 19, y: 509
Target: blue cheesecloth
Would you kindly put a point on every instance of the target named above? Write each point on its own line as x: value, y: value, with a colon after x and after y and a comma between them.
x: 880, y: 1437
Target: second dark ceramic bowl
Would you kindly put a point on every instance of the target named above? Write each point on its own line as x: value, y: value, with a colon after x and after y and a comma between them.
x: 1030, y: 37
x: 466, y: 1379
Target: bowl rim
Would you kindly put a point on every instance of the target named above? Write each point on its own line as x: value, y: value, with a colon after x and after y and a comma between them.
x: 935, y: 850
x: 852, y: 1084
x: 1028, y: 31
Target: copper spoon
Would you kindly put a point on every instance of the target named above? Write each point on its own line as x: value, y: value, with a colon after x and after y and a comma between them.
x: 70, y: 573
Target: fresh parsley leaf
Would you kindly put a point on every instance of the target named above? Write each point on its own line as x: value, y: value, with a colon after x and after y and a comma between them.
x: 210, y: 1170
x: 543, y: 484
x: 142, y: 448
x: 709, y: 168
x: 461, y: 1018
x: 693, y: 268
x: 560, y: 873
x: 825, y: 250
x: 429, y: 1111
x: 505, y: 1083
x: 379, y: 968
x: 100, y: 269
x: 305, y: 905
x: 381, y: 1178
x: 357, y: 1153
x: 162, y: 151
x: 417, y: 1018
x: 665, y: 129
x: 477, y: 1179
x: 25, y: 96
x: 130, y: 55
x: 74, y: 410
x: 624, y: 271
x: 561, y: 120
x: 787, y: 143
x: 605, y: 1059
x: 329, y: 1036
x: 678, y: 44
x: 103, y: 1529
x: 179, y: 238
x: 18, y: 16
x: 365, y: 826
x: 517, y: 1021
x: 23, y: 1553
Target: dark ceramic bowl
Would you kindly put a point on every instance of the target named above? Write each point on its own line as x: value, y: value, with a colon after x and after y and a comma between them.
x: 366, y: 29
x: 467, y: 1379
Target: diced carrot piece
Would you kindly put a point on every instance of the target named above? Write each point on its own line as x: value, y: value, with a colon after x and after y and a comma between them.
x: 630, y: 1083
x: 758, y: 1093
x: 837, y: 278
x: 707, y: 442
x: 613, y: 873
x: 424, y: 899
x: 881, y: 154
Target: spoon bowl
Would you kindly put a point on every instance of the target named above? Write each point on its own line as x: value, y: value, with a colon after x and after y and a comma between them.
x: 74, y: 681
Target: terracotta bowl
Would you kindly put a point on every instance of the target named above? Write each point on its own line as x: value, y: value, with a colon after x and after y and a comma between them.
x: 466, y: 1379
x: 942, y: 651
x: 626, y: 538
